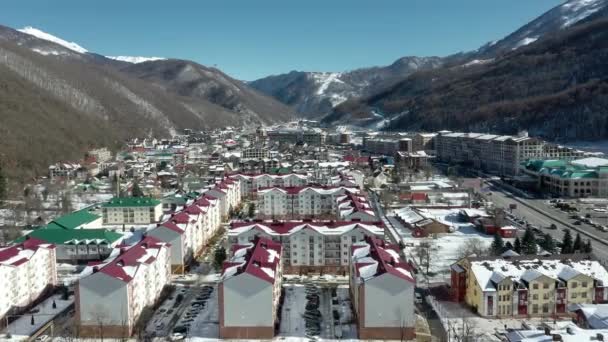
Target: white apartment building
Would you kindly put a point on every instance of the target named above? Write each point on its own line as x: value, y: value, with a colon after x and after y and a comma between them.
x: 228, y: 192
x: 113, y: 296
x: 308, y: 246
x: 250, y: 183
x: 300, y: 202
x: 255, y: 153
x: 27, y: 270
x: 499, y: 154
x: 101, y: 155
x: 188, y: 232
x: 382, y: 291
x: 250, y: 290
x: 132, y: 210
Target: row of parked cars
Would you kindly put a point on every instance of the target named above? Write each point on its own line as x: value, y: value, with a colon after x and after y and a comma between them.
x: 312, y: 314
x: 180, y: 331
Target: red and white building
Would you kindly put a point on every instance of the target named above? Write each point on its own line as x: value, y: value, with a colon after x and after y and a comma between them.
x: 27, y: 270
x: 355, y: 207
x: 382, y: 290
x: 300, y: 202
x: 250, y: 183
x: 113, y: 296
x: 228, y: 192
x: 308, y: 246
x: 189, y: 231
x: 250, y: 290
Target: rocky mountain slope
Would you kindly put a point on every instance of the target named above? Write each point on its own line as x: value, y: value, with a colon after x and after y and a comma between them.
x: 93, y: 100
x: 314, y: 94
x: 555, y: 87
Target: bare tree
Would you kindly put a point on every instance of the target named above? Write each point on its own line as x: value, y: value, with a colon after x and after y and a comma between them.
x: 472, y: 246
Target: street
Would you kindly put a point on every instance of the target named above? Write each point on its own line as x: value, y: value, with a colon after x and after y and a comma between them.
x: 502, y: 198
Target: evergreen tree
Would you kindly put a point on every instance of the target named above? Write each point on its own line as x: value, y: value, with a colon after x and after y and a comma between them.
x: 32, y: 322
x: 567, y: 243
x: 548, y: 244
x: 219, y: 256
x: 508, y: 246
x: 136, y: 191
x: 587, y: 248
x: 578, y: 244
x: 528, y: 243
x: 498, y: 245
x: 251, y: 212
x: 517, y: 245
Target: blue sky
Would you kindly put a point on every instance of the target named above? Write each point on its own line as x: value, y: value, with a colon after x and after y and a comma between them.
x: 249, y: 39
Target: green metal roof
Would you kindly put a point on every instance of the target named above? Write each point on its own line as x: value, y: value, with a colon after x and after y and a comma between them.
x: 75, y: 219
x: 131, y: 202
x: 63, y: 236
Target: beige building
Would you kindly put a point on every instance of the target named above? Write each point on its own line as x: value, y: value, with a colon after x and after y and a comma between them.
x: 132, y: 210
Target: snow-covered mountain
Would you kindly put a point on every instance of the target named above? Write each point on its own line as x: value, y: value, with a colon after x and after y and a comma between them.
x: 554, y: 20
x: 135, y: 59
x: 49, y: 37
x: 314, y: 94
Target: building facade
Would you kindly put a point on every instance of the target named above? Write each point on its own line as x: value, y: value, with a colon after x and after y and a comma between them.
x: 250, y: 290
x: 132, y: 210
x: 27, y: 271
x: 382, y: 291
x: 316, y: 247
x: 110, y: 300
x: 587, y: 177
x: 250, y: 183
x: 528, y: 286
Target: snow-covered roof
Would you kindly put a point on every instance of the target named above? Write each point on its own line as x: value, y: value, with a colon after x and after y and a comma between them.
x: 374, y: 257
x: 528, y: 269
x: 291, y: 227
x: 260, y: 259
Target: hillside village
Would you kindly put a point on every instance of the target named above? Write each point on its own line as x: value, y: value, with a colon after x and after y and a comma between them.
x: 343, y: 234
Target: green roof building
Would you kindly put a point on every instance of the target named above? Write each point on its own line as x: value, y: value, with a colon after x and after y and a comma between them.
x: 587, y: 177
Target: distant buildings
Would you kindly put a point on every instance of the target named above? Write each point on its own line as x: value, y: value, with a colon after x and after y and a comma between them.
x: 228, y: 192
x: 499, y: 154
x: 382, y: 290
x: 290, y: 135
x: 132, y: 210
x: 308, y: 246
x: 587, y: 177
x: 250, y: 290
x: 523, y: 286
x: 387, y: 145
x: 250, y: 183
x: 27, y: 271
x: 111, y: 299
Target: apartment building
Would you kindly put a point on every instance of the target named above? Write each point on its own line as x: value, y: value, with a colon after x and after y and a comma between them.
x: 132, y: 210
x: 424, y: 142
x: 382, y: 291
x: 250, y: 290
x: 499, y: 154
x: 355, y: 207
x: 290, y: 135
x: 300, y: 202
x: 250, y: 183
x: 27, y: 271
x: 322, y: 246
x: 528, y: 285
x: 587, y: 177
x: 255, y: 153
x: 63, y: 170
x: 99, y: 155
x: 188, y: 232
x: 113, y: 296
x: 387, y: 145
x: 228, y: 192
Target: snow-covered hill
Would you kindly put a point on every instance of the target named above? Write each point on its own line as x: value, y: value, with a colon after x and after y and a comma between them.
x: 49, y: 37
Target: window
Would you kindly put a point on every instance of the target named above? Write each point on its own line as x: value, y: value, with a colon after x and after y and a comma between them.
x: 584, y: 295
x: 584, y: 284
x: 545, y: 285
x: 535, y: 297
x: 535, y: 308
x: 574, y: 284
x: 535, y: 286
x: 545, y: 308
x: 546, y: 296
x: 574, y: 295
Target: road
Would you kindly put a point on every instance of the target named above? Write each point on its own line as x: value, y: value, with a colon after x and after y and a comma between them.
x: 502, y: 198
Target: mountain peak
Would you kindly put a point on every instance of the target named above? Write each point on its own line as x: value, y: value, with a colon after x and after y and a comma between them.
x: 32, y: 31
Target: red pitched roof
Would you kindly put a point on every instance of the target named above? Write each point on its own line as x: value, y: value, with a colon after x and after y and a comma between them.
x: 14, y: 251
x: 256, y: 258
x: 126, y: 264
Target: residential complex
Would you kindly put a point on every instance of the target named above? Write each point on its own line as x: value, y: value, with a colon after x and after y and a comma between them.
x: 250, y: 183
x: 300, y: 202
x: 587, y: 177
x: 499, y: 154
x: 132, y: 210
x: 110, y: 300
x: 387, y: 145
x: 528, y: 285
x: 308, y: 246
x: 250, y: 289
x: 228, y: 191
x: 382, y: 291
x: 27, y: 271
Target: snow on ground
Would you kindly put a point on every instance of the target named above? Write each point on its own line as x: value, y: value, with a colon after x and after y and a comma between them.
x: 135, y: 59
x: 525, y: 41
x: 292, y: 323
x: 23, y: 328
x: 49, y: 37
x: 324, y: 79
x: 162, y: 316
x: 206, y: 323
